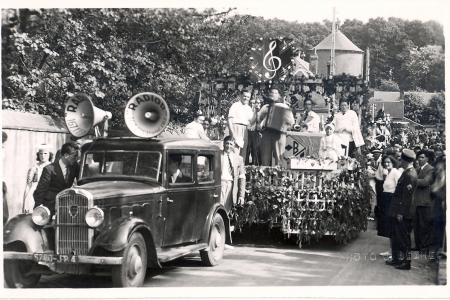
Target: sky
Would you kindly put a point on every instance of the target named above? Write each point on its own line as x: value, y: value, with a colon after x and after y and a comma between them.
x: 318, y: 10
x: 291, y: 10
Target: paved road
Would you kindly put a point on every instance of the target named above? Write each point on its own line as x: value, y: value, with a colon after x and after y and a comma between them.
x: 280, y: 264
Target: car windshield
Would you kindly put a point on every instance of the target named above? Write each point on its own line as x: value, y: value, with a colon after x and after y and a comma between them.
x: 117, y: 164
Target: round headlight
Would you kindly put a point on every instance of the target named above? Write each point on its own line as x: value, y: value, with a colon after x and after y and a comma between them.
x: 41, y: 215
x: 94, y: 217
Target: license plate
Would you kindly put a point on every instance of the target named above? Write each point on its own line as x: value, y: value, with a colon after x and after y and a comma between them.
x: 52, y: 258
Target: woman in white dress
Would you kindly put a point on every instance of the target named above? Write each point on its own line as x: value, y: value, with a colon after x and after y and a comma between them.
x: 330, y: 145
x: 43, y: 157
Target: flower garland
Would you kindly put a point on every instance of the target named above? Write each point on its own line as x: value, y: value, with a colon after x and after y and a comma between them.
x: 308, y: 204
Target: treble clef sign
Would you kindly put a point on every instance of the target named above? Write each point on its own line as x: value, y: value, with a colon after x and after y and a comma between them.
x: 274, y: 61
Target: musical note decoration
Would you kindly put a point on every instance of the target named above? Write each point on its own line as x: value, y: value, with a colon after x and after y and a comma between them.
x: 271, y: 59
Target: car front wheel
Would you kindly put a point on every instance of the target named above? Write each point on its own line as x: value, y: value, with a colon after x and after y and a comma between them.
x: 131, y: 273
x: 18, y: 274
x: 214, y: 254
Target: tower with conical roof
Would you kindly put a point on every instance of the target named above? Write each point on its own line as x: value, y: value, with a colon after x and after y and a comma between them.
x: 348, y: 58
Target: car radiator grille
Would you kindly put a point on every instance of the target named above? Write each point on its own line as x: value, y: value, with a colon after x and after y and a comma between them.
x: 72, y: 230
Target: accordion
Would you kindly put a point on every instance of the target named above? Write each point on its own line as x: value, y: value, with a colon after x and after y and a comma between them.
x: 278, y: 116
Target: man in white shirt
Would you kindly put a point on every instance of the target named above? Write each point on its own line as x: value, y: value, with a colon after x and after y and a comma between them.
x: 240, y: 116
x: 310, y: 121
x: 233, y: 176
x: 347, y: 128
x: 195, y: 129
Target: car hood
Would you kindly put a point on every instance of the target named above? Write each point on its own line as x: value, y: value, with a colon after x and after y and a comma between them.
x: 113, y: 189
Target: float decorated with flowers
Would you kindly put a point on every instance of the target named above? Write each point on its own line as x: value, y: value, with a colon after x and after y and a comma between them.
x: 323, y: 198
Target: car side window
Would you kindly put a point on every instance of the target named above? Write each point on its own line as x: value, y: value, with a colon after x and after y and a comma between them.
x: 148, y: 165
x: 179, y: 168
x: 205, y: 168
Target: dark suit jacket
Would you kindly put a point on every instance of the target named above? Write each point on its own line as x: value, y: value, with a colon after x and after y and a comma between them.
x: 51, y: 183
x: 422, y: 196
x: 180, y: 178
x: 403, y: 195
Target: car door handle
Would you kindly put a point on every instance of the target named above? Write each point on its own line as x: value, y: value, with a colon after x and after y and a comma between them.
x: 169, y: 200
x: 216, y: 196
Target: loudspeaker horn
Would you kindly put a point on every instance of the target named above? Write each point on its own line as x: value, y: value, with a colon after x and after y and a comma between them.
x: 146, y: 114
x: 81, y: 115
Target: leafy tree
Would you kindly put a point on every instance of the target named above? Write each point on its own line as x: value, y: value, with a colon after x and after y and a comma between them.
x: 117, y: 53
x: 391, y: 43
x: 111, y: 54
x: 423, y: 68
x: 436, y: 109
x: 432, y: 113
x: 419, y: 33
x: 356, y: 31
x: 414, y: 107
x: 436, y: 32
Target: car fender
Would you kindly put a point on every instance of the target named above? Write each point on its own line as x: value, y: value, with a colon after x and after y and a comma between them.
x: 21, y: 229
x: 217, y: 209
x: 114, y: 238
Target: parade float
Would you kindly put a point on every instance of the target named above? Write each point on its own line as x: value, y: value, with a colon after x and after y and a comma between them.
x: 305, y: 198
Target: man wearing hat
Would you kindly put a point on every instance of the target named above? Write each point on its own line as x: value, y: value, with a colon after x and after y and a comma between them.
x: 401, y: 213
x: 423, y: 217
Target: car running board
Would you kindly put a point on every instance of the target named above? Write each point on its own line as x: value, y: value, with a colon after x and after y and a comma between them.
x: 165, y: 255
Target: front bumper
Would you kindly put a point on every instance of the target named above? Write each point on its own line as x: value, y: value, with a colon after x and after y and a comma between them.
x: 51, y: 258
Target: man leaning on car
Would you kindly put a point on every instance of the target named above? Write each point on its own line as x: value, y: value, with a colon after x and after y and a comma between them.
x: 57, y: 176
x: 233, y: 176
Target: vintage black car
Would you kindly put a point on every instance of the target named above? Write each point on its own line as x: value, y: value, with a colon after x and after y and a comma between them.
x: 125, y: 214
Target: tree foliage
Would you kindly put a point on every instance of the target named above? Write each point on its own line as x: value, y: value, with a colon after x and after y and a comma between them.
x: 111, y: 54
x: 399, y: 48
x: 388, y: 85
x: 418, y: 111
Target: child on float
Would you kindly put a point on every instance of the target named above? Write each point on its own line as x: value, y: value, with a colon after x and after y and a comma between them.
x: 330, y: 145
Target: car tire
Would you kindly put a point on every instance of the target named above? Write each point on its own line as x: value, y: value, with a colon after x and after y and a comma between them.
x: 16, y: 276
x: 216, y: 244
x: 131, y: 273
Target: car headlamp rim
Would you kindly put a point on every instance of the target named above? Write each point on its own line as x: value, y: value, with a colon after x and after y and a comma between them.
x: 94, y: 217
x: 41, y: 215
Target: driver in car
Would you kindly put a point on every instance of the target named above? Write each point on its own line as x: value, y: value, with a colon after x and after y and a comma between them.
x: 174, y: 173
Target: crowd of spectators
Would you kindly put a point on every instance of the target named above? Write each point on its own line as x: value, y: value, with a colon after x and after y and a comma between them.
x: 428, y: 206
